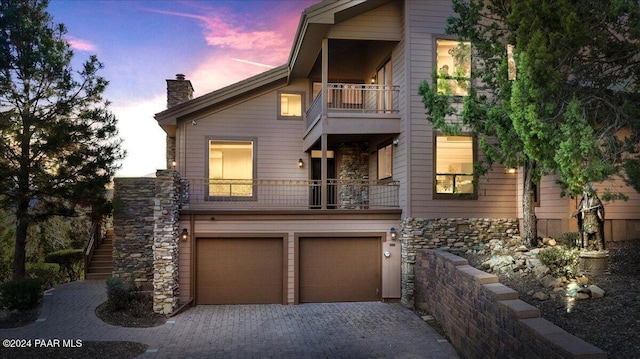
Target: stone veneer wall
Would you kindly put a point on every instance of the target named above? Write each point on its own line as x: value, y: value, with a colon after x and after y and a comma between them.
x: 166, y: 213
x: 456, y: 234
x: 485, y: 319
x: 133, y: 222
x: 353, y: 165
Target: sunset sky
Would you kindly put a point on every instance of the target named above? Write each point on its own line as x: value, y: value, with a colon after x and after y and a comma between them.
x: 143, y: 43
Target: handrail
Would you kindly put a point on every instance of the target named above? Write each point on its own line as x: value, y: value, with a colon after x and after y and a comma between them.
x: 92, y: 243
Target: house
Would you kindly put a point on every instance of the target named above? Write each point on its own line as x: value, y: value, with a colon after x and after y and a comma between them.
x: 318, y: 180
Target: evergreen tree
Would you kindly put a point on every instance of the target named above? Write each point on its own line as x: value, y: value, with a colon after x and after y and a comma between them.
x: 59, y: 146
x: 568, y: 101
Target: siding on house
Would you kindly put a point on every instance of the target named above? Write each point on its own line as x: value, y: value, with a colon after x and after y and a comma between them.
x: 278, y: 142
x: 496, y: 191
x: 382, y: 23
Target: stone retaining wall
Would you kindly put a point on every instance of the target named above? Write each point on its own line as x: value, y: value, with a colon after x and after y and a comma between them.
x: 456, y: 234
x: 485, y: 319
x: 133, y: 223
x: 145, y: 247
x: 166, y: 291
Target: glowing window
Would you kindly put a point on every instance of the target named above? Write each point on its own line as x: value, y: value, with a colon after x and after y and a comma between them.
x: 290, y: 105
x: 454, y: 165
x: 231, y: 168
x: 453, y: 62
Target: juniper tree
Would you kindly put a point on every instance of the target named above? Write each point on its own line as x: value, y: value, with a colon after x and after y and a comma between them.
x: 567, y: 102
x: 59, y: 146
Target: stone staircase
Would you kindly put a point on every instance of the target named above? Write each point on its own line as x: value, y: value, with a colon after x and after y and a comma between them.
x: 101, y: 263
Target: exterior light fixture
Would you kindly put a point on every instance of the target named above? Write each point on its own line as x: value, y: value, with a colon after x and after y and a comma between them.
x: 300, y: 163
x: 510, y: 170
x: 173, y: 164
x: 393, y: 233
x: 184, y: 235
x: 373, y: 79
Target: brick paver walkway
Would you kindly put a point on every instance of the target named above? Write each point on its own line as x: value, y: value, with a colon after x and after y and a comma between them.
x: 325, y: 330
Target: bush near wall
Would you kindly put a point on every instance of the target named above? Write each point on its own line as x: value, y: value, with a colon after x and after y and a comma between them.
x: 21, y: 294
x: 48, y: 273
x: 71, y: 262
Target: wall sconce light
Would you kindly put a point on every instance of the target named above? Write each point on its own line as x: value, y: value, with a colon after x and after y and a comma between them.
x: 373, y: 79
x: 184, y: 235
x: 173, y: 164
x: 300, y: 163
x: 393, y: 233
x: 510, y: 170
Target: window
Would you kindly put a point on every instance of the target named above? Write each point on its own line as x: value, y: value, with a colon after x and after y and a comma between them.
x: 290, y: 105
x: 453, y: 62
x: 385, y: 165
x: 454, y: 165
x: 230, y: 168
x: 383, y: 79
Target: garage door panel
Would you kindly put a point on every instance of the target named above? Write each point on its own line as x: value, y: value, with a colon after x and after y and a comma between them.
x: 339, y: 269
x: 239, y: 271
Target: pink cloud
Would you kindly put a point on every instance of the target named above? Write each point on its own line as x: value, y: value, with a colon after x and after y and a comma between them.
x: 80, y: 44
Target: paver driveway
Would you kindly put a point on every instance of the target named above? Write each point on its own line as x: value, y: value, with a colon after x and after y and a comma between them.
x: 326, y: 330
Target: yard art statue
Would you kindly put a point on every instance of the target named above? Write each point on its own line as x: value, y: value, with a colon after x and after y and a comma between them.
x: 590, y: 215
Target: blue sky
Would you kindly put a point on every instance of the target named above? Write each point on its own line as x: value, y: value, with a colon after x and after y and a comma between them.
x: 143, y: 43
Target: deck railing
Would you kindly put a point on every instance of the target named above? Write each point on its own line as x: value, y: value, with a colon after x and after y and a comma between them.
x: 355, y: 98
x: 289, y: 194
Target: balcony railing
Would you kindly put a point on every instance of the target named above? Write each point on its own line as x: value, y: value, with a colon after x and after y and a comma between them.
x: 288, y: 194
x: 355, y: 98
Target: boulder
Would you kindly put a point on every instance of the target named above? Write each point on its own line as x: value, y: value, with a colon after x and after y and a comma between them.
x: 540, y: 296
x: 596, y: 292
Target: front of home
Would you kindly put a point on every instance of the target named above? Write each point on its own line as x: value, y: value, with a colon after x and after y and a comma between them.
x: 318, y: 180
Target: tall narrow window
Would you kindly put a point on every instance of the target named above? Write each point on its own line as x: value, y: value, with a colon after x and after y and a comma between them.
x: 453, y: 62
x: 383, y: 80
x: 454, y: 165
x: 230, y: 168
x: 385, y: 165
x: 290, y: 105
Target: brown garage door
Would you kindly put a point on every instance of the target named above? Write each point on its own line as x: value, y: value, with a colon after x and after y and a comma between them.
x: 239, y: 271
x: 339, y: 269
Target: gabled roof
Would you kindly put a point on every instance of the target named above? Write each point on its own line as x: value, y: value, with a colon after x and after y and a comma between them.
x: 315, y: 23
x: 168, y: 118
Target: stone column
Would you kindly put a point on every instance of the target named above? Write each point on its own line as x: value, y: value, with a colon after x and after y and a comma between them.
x: 166, y: 213
x: 354, y: 165
x: 133, y: 224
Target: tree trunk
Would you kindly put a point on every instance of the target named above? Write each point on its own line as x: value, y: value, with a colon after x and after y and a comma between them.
x: 529, y: 220
x: 20, y: 249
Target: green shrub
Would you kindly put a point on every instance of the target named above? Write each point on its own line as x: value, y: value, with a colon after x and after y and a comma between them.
x: 71, y: 262
x: 48, y: 273
x: 561, y: 262
x: 21, y: 294
x: 569, y: 239
x: 118, y: 294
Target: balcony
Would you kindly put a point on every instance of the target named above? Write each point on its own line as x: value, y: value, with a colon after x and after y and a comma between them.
x: 355, y: 101
x: 200, y: 193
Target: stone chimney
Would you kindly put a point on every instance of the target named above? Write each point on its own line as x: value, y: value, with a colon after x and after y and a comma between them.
x: 178, y: 91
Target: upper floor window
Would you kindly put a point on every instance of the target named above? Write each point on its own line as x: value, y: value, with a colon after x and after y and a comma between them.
x: 230, y: 168
x: 454, y: 157
x: 290, y: 105
x: 385, y: 164
x: 453, y: 62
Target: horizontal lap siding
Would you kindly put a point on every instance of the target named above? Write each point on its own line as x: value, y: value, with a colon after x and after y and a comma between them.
x: 496, y: 191
x: 279, y: 144
x: 382, y: 23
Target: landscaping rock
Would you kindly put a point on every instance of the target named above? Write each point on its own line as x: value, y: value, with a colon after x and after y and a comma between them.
x: 540, y: 296
x: 596, y: 292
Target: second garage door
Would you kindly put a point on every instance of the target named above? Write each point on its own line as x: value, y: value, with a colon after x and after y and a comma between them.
x: 239, y: 271
x: 339, y: 269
